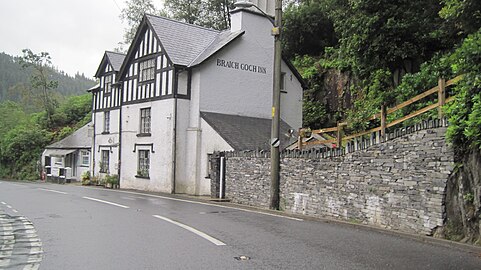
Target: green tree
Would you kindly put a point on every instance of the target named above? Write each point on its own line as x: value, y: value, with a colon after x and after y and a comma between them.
x: 11, y: 115
x: 40, y: 79
x: 307, y: 30
x: 20, y: 150
x: 132, y: 14
x: 207, y: 13
x: 464, y: 15
x: 385, y: 34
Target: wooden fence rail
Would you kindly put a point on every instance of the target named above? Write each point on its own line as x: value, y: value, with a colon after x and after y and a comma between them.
x: 339, y: 137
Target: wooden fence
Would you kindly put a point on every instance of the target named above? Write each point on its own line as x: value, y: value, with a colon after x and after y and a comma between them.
x: 338, y: 136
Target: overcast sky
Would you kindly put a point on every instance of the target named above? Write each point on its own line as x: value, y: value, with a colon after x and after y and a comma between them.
x: 75, y: 32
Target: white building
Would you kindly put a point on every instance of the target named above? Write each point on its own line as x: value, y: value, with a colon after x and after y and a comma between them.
x: 187, y: 91
x: 68, y: 158
x: 106, y: 100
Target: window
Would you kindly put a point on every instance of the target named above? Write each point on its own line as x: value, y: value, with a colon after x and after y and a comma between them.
x: 145, y: 121
x: 283, y: 79
x: 147, y: 70
x: 84, y: 158
x: 144, y: 163
x: 108, y: 84
x: 106, y: 122
x: 104, y: 162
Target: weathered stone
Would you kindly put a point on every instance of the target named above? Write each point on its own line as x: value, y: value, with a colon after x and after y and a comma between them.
x: 400, y: 184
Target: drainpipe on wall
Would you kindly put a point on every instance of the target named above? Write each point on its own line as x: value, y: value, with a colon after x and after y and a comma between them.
x: 174, y: 132
x: 94, y: 98
x: 120, y: 133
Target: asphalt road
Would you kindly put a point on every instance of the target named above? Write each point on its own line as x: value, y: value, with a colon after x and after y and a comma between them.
x: 93, y: 228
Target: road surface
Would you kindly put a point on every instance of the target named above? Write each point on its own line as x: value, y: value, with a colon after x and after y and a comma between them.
x: 75, y: 227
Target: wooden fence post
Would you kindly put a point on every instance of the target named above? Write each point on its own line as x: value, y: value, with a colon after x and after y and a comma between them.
x: 441, y: 96
x: 299, y: 139
x: 383, y: 122
x: 339, y: 135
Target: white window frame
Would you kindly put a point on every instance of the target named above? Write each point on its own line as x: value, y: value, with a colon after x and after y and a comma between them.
x: 145, y: 120
x: 104, y: 161
x: 143, y: 163
x: 84, y: 158
x: 108, y: 83
x: 107, y: 121
x: 147, y: 70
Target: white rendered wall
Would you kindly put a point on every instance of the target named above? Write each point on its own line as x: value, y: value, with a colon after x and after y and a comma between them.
x: 211, y: 141
x: 238, y: 80
x: 108, y: 141
x: 161, y: 138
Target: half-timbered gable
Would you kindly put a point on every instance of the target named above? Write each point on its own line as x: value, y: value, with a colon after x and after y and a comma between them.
x: 148, y: 73
x: 106, y: 103
x: 108, y: 95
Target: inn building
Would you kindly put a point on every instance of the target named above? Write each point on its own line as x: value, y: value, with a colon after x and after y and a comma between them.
x: 182, y: 92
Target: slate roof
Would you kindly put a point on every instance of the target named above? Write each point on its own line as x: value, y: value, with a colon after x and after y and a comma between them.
x: 183, y: 42
x: 186, y: 44
x: 245, y: 133
x: 221, y: 40
x: 116, y: 59
x: 78, y: 139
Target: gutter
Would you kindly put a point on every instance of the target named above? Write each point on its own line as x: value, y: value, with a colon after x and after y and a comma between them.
x: 174, y: 134
x: 94, y: 98
x: 121, y: 90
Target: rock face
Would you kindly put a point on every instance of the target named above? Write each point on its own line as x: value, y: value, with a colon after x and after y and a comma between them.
x: 399, y: 184
x: 463, y: 206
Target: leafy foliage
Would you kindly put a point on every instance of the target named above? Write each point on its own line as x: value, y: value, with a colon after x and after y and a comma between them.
x: 23, y: 137
x: 132, y: 14
x: 465, y: 112
x: 306, y: 30
x: 20, y: 149
x: 15, y: 83
x: 313, y: 113
x: 207, y: 13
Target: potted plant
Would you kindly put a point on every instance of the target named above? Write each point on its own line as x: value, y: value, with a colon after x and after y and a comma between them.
x: 85, y: 178
x: 114, y: 180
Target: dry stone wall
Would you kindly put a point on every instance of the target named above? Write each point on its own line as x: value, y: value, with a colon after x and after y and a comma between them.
x: 399, y: 184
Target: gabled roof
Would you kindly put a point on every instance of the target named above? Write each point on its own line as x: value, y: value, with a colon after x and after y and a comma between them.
x: 186, y: 44
x: 220, y: 42
x: 77, y: 140
x: 245, y: 133
x: 115, y: 59
x: 183, y: 42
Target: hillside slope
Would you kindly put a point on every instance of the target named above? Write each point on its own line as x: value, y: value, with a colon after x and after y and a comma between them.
x: 14, y: 79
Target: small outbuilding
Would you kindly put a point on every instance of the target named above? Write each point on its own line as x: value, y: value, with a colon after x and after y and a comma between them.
x: 69, y: 158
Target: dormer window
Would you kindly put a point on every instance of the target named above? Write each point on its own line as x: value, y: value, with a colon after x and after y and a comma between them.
x: 147, y: 70
x: 108, y: 84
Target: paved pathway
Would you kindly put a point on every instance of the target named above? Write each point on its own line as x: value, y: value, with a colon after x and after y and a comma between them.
x: 20, y: 247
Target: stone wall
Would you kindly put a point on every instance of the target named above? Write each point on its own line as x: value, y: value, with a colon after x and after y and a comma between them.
x: 399, y: 184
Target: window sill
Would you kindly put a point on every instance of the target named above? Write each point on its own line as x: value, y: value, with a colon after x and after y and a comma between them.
x: 143, y: 177
x: 144, y: 135
x: 105, y: 132
x: 146, y: 81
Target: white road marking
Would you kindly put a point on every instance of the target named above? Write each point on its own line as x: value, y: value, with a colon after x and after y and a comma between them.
x: 15, y: 211
x: 4, y: 203
x: 102, y: 201
x: 8, y: 206
x: 202, y: 203
x: 51, y: 190
x: 193, y: 230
